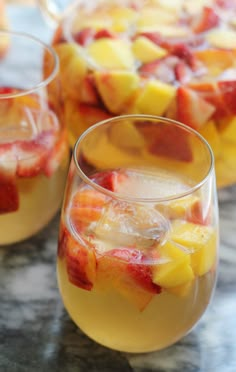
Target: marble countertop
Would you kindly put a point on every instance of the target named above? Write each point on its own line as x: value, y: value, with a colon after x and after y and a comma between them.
x: 36, y: 334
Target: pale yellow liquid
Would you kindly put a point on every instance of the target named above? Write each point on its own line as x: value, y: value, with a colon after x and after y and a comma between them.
x: 113, y: 321
x: 39, y: 199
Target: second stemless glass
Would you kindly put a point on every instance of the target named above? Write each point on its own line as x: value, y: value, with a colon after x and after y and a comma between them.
x: 33, y: 141
x: 137, y: 254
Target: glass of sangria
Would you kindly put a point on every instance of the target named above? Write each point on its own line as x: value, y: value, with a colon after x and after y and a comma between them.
x: 34, y: 153
x: 168, y: 58
x: 138, y: 242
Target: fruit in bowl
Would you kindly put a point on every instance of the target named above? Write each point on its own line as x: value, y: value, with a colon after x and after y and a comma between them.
x: 172, y: 59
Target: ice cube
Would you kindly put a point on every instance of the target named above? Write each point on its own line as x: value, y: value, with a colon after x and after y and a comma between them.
x: 130, y: 225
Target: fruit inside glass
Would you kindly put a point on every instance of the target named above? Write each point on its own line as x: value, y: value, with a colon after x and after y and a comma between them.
x: 172, y: 58
x: 138, y: 242
x: 34, y: 152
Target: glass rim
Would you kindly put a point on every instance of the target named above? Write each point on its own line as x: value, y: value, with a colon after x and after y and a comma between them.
x: 44, y: 45
x: 129, y: 198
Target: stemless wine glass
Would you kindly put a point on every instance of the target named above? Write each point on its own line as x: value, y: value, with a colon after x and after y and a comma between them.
x: 33, y: 142
x: 137, y: 254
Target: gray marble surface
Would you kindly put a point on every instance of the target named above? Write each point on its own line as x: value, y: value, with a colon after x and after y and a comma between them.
x: 36, y: 334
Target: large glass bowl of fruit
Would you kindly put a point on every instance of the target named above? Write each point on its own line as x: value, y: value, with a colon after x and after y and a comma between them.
x: 175, y: 59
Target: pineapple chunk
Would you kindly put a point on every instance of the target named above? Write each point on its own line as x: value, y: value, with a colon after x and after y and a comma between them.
x: 222, y: 38
x: 211, y: 134
x: 227, y: 129
x: 72, y: 67
x: 155, y: 98
x: 116, y: 87
x: 176, y: 270
x: 122, y: 18
x: 179, y: 207
x: 200, y: 240
x: 146, y: 51
x: 111, y: 53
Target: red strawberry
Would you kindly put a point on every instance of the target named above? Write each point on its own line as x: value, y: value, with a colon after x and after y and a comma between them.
x: 198, y: 215
x: 183, y: 73
x: 206, y: 20
x: 155, y: 37
x: 80, y: 264
x: 228, y: 94
x: 9, y: 198
x: 192, y: 110
x: 56, y: 155
x: 109, y: 180
x: 135, y: 266
x: 104, y: 33
x: 85, y: 36
x: 62, y: 241
x: 161, y: 69
x: 32, y: 155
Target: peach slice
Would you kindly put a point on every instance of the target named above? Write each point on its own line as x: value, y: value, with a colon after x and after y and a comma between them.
x: 200, y: 241
x: 155, y: 98
x: 80, y: 264
x: 115, y: 88
x: 86, y: 207
x: 125, y: 270
x: 111, y: 54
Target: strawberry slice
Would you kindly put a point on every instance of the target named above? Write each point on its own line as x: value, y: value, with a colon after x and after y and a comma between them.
x: 85, y: 36
x: 110, y: 180
x: 207, y: 20
x: 80, y: 264
x: 9, y: 198
x: 162, y: 69
x: 210, y: 92
x: 192, y: 110
x: 228, y: 94
x: 32, y: 155
x: 155, y: 37
x: 183, y: 73
x: 104, y: 33
x: 56, y: 155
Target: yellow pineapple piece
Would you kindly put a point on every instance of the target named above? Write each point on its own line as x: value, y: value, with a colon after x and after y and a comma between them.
x: 116, y: 87
x: 200, y: 241
x: 122, y: 18
x: 111, y: 54
x: 176, y: 270
x: 146, y: 51
x: 227, y: 128
x: 127, y: 135
x: 211, y: 134
x: 153, y: 17
x: 155, y: 98
x: 72, y: 67
x: 222, y: 38
x: 179, y: 207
